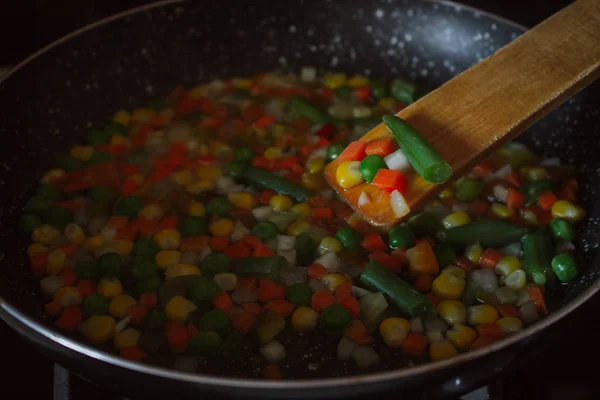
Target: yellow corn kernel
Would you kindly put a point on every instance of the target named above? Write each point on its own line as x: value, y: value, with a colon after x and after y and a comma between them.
x: 196, y: 209
x: 297, y: 227
x: 183, y: 177
x: 394, y: 331
x: 221, y: 227
x: 457, y: 218
x: 74, y: 234
x: 119, y: 305
x: 501, y: 210
x: 507, y: 265
x: 56, y: 262
x: 329, y: 244
x: 482, y: 314
x: 334, y: 280
x: 198, y: 91
x: 200, y: 187
x: 110, y: 288
x: 348, y: 174
x: 473, y: 252
x: 219, y: 149
x: 178, y: 308
x: 448, y: 286
x: 226, y: 281
x: 118, y: 139
x: 516, y: 280
x: 300, y: 210
x: 175, y: 270
x: 94, y: 242
x: 281, y: 203
x: 260, y: 132
x: 456, y: 271
x: 453, y: 312
x: 334, y: 81
x: 358, y: 81
x: 315, y: 165
x: 151, y: 211
x: 388, y: 103
x: 203, y: 149
x: 126, y: 338
x: 510, y: 325
x: 304, y: 319
x: 534, y: 173
x: 167, y: 239
x: 279, y: 130
x: 137, y: 178
x: 242, y: 200
x: 99, y: 328
x: 123, y: 247
x: 122, y: 117
x: 567, y: 210
x: 241, y: 83
x: 441, y: 350
x: 142, y: 115
x: 209, y: 172
x: 36, y: 248
x: 165, y: 258
x: 272, y: 153
x: 82, y: 153
x: 68, y: 296
x: 44, y: 234
x: 447, y: 193
x: 53, y: 174
x: 312, y: 181
x: 461, y: 336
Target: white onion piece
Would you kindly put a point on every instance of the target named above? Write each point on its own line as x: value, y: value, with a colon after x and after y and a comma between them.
x: 285, y: 242
x: 437, y: 209
x: 523, y: 297
x: 122, y: 324
x: 503, y: 172
x: 224, y: 182
x: 361, y: 112
x: 234, y: 188
x: 281, y: 219
x: 289, y: 255
x: 363, y: 199
x: 262, y: 213
x: 293, y: 275
x: 551, y: 162
x: 251, y: 189
x: 434, y: 336
x: 398, y: 204
x: 365, y: 356
x: 190, y: 257
x: 372, y: 310
x: 506, y: 295
x: 317, y: 284
x: 345, y: 349
x: 273, y: 351
x: 308, y: 74
x: 564, y: 246
x: 50, y: 284
x: 320, y: 152
x: 435, y: 324
x: 239, y: 231
x: 275, y: 108
x: 513, y: 249
x: 500, y: 192
x: 326, y: 193
x: 271, y: 244
x: 186, y: 364
x: 359, y: 292
x: 205, y: 252
x: 416, y: 325
x: 397, y: 161
x: 484, y: 279
x: 529, y: 313
x: 460, y: 207
x: 330, y: 261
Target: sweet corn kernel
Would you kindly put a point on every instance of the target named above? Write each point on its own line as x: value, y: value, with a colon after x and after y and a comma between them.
x: 457, y: 218
x: 534, y: 173
x: 441, y: 350
x: 56, y: 262
x: 312, y: 181
x: 203, y: 149
x: 447, y: 193
x: 167, y: 239
x: 501, y: 210
x: 44, y: 234
x: 281, y: 203
x: 142, y: 115
x: 473, y: 252
x: 300, y: 210
x: 453, y: 312
x: 122, y: 117
x: 122, y: 247
x: 93, y: 243
x: 297, y: 227
x: 36, y: 248
x: 448, y: 286
x: 329, y: 245
x: 315, y: 165
x: 358, y: 81
x: 507, y: 265
x: 456, y: 271
x: 119, y: 139
x: 99, y: 328
x: 241, y: 83
x: 516, y: 280
x: 510, y: 325
x: 200, y: 187
x: 74, y: 233
x: 348, y: 174
x: 196, y: 209
x: 119, y: 305
x: 82, y: 153
x: 221, y: 227
x: 388, y: 103
x: 394, y: 331
x: 68, y: 296
x: 151, y: 211
x: 165, y: 258
x: 242, y: 200
x: 178, y: 308
x: 260, y: 132
x: 567, y: 210
x: 209, y: 172
x: 219, y: 149
x: 304, y: 319
x: 137, y: 178
x: 52, y: 175
x: 226, y: 281
x: 334, y: 81
x: 183, y: 177
x: 482, y: 314
x: 175, y: 270
x: 461, y: 336
x: 127, y: 338
x: 272, y: 153
x: 334, y: 280
x: 109, y: 288
x: 198, y: 91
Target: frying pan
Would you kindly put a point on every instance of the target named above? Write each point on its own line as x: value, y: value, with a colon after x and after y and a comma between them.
x: 51, y: 99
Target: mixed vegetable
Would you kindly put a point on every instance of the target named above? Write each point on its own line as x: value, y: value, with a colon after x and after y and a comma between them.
x: 202, y: 225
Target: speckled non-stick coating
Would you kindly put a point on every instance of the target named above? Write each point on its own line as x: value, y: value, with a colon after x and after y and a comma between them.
x: 51, y: 102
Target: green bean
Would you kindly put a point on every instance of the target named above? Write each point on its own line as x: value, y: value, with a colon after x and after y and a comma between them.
x: 259, y: 266
x: 564, y: 266
x: 468, y: 189
x: 268, y: 180
x: 421, y: 155
x: 489, y: 233
x: 401, y: 236
x: 424, y: 224
x: 537, y: 257
x: 307, y: 110
x: 403, y: 91
x: 562, y: 229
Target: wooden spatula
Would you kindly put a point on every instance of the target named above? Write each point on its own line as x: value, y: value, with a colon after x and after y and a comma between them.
x: 488, y: 105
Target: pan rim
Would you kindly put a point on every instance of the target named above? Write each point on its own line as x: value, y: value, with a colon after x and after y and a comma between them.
x: 17, y: 318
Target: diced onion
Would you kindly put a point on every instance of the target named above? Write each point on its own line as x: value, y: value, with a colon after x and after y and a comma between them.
x: 513, y: 249
x: 281, y: 219
x: 289, y: 255
x: 365, y: 356
x: 293, y: 275
x: 363, y: 199
x: 551, y: 162
x: 359, y: 292
x: 51, y: 284
x: 273, y: 351
x: 205, y: 252
x: 523, y: 297
x: 435, y: 324
x: 564, y: 246
x: 397, y: 161
x: 372, y: 310
x: 330, y: 261
x: 285, y: 242
x: 361, y: 112
x: 506, y: 295
x: 345, y: 349
x: 529, y: 313
x: 122, y: 324
x: 262, y: 213
x: 398, y: 204
x: 416, y: 325
x: 320, y: 152
x: 317, y: 284
x: 224, y: 182
x: 186, y: 364
x: 233, y: 188
x: 503, y: 172
x: 484, y: 279
x: 500, y: 192
x: 308, y: 74
x: 435, y: 336
x: 239, y: 231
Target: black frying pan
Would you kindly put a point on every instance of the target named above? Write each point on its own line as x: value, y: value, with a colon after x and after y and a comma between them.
x: 54, y: 97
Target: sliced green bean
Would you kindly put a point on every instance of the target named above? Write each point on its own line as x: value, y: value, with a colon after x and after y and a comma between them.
x: 268, y: 180
x: 489, y: 233
x: 307, y: 110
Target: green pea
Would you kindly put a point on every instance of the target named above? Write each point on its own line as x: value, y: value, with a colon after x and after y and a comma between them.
x: 401, y: 236
x: 98, y: 137
x: 562, y: 229
x: 444, y: 254
x: 564, y: 267
x: 335, y: 150
x: 468, y: 189
x: 28, y: 222
x: 215, y: 321
x: 335, y: 318
x: 403, y: 91
x: 379, y: 88
x: 215, y: 263
x: 244, y: 154
x: 300, y: 294
x: 149, y: 285
x: 192, y: 226
x: 117, y: 128
x: 145, y: 247
x: 201, y: 290
x: 348, y: 237
x: 143, y: 268
x: 236, y: 169
x: 58, y: 217
x: 219, y: 207
x: 67, y: 163
x: 155, y: 318
x: 343, y: 92
x: 109, y: 265
x: 370, y: 165
x: 86, y: 270
x: 95, y: 304
x: 206, y: 344
x: 38, y: 204
x: 129, y: 206
x: 49, y: 191
x: 265, y: 230
x: 99, y: 157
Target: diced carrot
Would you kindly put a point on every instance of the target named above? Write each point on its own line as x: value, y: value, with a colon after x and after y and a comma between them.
x: 415, y: 344
x: 252, y: 241
x: 306, y: 151
x: 137, y: 312
x: 363, y: 92
x: 106, y: 174
x: 86, y: 287
x: 149, y: 299
x: 537, y: 297
x: 435, y: 299
x: 177, y: 337
x: 69, y: 248
x: 400, y: 255
x: 381, y: 147
x: 253, y: 112
x: 222, y: 301
x: 493, y: 330
x: 69, y: 319
x: 118, y: 222
x: 272, y: 371
x: 390, y: 180
x: 513, y: 179
x: 515, y: 199
x: 357, y: 332
x: 264, y: 121
x: 158, y: 120
x: 68, y: 276
x: 322, y: 299
x: 244, y: 322
x: 219, y: 243
x: 423, y: 283
x: 351, y: 305
x: 132, y: 353
x: 568, y: 193
x: 129, y: 187
x: 465, y: 263
x: 390, y: 262
x: 248, y: 282
x: 53, y: 308
x: 126, y: 234
x: 421, y: 259
x: 484, y: 168
x: 194, y: 243
x: 38, y: 262
x: 323, y: 142
x: 355, y: 151
x: 286, y: 162
x: 323, y: 213
x: 169, y: 222
x: 238, y: 250
x: 262, y: 251
x: 374, y: 242
x: 483, y: 341
x: 479, y: 207
x: 327, y: 131
x: 547, y: 199
x: 317, y: 201
x: 252, y: 308
x: 128, y: 170
x: 490, y: 257
x: 269, y: 290
x: 301, y: 125
x: 192, y: 330
x: 508, y: 310
x: 316, y: 271
x: 281, y: 307
x: 343, y: 291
